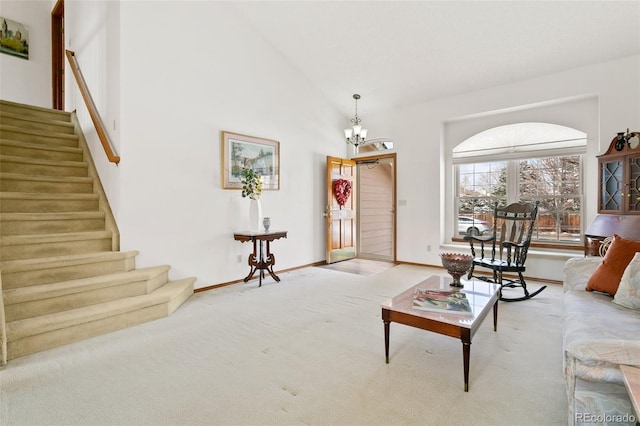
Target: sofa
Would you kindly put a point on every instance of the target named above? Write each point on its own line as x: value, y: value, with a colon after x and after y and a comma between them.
x: 598, y: 336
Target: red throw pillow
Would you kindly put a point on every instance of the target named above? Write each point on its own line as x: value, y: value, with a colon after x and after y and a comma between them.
x: 608, y: 274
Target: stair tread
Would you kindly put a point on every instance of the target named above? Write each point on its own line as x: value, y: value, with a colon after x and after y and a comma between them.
x: 46, y: 178
x: 36, y: 132
x: 67, y: 260
x: 45, y: 291
x: 51, y: 216
x: 50, y: 238
x: 39, y: 146
x: 48, y: 196
x: 62, y: 114
x: 42, y: 161
x: 51, y: 322
x: 33, y: 119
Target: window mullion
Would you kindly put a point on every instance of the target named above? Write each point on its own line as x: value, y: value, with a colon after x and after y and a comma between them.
x: 513, y: 181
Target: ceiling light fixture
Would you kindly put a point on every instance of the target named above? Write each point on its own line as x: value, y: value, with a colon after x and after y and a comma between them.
x: 356, y: 135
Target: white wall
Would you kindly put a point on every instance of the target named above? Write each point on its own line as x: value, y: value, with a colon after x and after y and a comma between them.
x: 189, y: 71
x: 608, y: 95
x: 28, y: 81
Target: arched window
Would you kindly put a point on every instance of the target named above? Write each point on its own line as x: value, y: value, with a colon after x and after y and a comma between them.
x: 522, y: 162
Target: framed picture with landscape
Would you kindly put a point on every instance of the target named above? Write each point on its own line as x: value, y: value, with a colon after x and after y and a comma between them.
x: 249, y: 152
x: 14, y: 38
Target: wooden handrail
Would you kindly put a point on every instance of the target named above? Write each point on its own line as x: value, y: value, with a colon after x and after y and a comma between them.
x: 91, y: 106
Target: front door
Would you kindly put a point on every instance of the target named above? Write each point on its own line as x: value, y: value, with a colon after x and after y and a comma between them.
x: 340, y: 210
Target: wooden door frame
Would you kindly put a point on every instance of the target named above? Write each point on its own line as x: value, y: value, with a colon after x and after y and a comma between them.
x: 393, y: 157
x: 57, y: 55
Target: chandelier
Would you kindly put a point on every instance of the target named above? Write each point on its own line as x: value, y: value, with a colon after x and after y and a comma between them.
x: 356, y: 135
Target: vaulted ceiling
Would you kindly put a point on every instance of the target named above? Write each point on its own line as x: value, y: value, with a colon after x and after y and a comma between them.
x: 398, y: 53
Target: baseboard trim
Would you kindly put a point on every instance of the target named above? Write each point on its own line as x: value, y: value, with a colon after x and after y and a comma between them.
x: 397, y: 262
x: 228, y: 283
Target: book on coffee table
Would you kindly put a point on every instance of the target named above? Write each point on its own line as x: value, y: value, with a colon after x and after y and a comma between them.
x: 444, y: 301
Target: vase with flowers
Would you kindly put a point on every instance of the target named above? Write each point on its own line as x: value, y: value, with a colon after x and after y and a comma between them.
x: 252, y: 188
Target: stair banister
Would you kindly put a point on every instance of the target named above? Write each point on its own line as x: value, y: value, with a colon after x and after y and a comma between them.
x: 91, y: 106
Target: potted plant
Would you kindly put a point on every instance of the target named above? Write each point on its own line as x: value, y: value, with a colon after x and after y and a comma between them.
x: 252, y: 188
x: 251, y: 184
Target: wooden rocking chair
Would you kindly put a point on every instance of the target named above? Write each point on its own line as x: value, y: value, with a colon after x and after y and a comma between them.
x: 512, y: 229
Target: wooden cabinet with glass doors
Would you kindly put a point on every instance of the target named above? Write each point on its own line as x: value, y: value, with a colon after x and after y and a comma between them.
x: 619, y: 182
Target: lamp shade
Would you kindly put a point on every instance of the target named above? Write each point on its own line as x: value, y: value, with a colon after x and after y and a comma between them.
x: 348, y: 133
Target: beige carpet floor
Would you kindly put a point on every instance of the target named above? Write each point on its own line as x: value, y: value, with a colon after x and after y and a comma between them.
x: 308, y: 350
x: 359, y: 266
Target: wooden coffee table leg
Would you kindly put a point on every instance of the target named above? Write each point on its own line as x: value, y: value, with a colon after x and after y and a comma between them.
x: 466, y: 352
x: 386, y: 340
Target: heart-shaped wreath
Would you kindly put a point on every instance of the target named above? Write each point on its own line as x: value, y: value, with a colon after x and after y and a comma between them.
x: 342, y: 191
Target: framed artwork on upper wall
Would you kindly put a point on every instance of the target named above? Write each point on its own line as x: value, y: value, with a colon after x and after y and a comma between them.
x: 14, y: 38
x: 249, y: 152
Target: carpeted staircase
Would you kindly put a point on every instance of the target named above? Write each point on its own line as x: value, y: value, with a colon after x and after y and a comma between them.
x: 62, y: 275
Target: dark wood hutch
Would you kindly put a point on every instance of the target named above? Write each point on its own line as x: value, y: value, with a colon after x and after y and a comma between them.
x: 618, y: 193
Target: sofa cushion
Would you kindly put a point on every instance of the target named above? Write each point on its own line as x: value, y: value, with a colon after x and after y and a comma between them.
x: 602, y: 404
x: 577, y: 271
x: 600, y: 335
x: 607, y: 276
x: 628, y: 293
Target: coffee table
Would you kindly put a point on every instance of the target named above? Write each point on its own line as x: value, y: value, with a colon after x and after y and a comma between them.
x: 482, y: 297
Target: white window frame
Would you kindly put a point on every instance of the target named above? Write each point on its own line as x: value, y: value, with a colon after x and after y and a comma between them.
x: 511, y: 153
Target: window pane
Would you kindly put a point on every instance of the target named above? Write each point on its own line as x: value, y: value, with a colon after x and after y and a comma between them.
x: 555, y: 182
x: 480, y: 186
x: 482, y: 179
x: 550, y: 176
x: 558, y: 219
x: 475, y: 215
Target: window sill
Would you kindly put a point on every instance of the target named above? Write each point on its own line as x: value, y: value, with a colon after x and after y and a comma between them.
x: 549, y: 250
